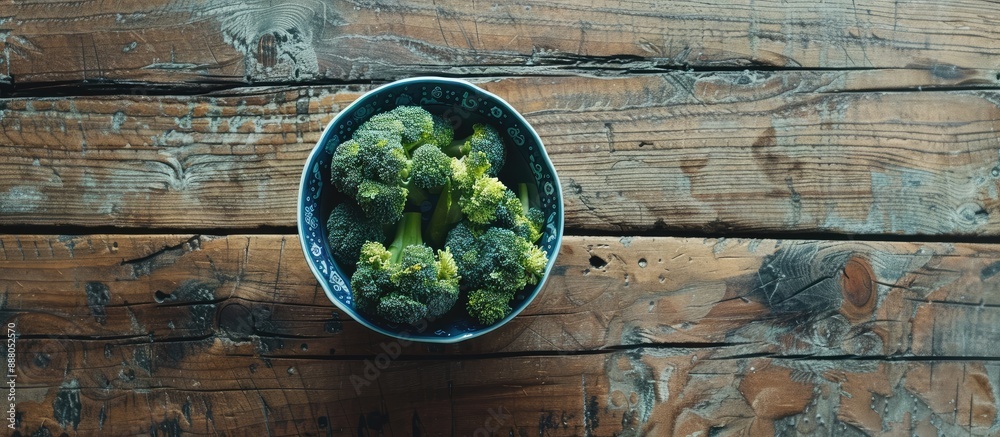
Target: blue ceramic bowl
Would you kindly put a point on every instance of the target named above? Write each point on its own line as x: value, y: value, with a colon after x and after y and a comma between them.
x: 463, y: 104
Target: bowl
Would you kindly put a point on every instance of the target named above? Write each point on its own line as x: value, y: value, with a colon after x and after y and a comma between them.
x: 463, y: 104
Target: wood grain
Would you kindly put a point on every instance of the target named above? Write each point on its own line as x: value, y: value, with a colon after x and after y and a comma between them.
x: 756, y: 297
x: 212, y: 387
x: 641, y: 154
x: 163, y: 334
x: 177, y: 42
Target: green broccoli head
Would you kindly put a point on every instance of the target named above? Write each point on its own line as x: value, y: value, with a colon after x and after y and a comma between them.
x: 514, y: 213
x: 466, y: 170
x: 346, y: 171
x: 384, y: 160
x: 405, y: 282
x: 379, y: 126
x: 489, y: 306
x: 484, y: 139
x: 431, y: 167
x: 418, y: 125
x: 505, y: 255
x: 417, y: 271
x: 481, y: 202
x: 497, y: 259
x: 442, y: 135
x: 400, y: 308
x: 413, y: 126
x: 380, y: 202
x: 373, y: 277
x: 347, y: 229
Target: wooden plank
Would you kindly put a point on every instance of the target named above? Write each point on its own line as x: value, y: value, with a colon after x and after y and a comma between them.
x: 176, y: 42
x: 210, y: 387
x: 758, y: 297
x: 638, y: 154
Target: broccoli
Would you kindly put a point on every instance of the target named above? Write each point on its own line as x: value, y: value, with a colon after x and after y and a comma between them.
x: 442, y: 134
x: 392, y: 157
x: 480, y: 203
x: 412, y: 124
x: 485, y: 232
x: 346, y: 170
x: 486, y: 139
x: 347, y: 230
x: 488, y: 306
x: 495, y: 263
x: 512, y: 261
x: 483, y: 201
x: 431, y: 168
x: 371, y: 172
x: 465, y: 172
x: 383, y: 159
x: 516, y: 214
x: 382, y: 203
x: 406, y: 281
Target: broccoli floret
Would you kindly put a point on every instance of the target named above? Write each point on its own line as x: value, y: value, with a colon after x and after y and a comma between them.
x: 443, y: 134
x: 380, y: 202
x: 418, y: 125
x: 470, y: 168
x: 512, y: 261
x: 489, y: 306
x: 400, y: 308
x: 347, y: 229
x: 384, y: 160
x: 346, y: 171
x: 372, y: 279
x: 406, y: 281
x: 516, y: 214
x: 480, y: 203
x: 430, y: 169
x: 465, y: 172
x: 485, y: 139
x: 412, y: 124
x: 495, y: 263
x: 384, y: 153
x: 380, y: 126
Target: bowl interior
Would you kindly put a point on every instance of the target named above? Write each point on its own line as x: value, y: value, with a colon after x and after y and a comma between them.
x: 463, y: 105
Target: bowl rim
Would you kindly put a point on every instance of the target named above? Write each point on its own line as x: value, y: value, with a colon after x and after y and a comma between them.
x: 300, y: 215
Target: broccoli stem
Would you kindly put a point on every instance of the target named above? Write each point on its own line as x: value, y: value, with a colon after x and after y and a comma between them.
x: 446, y: 214
x: 522, y: 193
x: 415, y: 194
x: 407, y: 234
x: 457, y: 148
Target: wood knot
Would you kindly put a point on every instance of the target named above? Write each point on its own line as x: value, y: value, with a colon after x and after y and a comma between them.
x: 858, y: 286
x: 235, y: 322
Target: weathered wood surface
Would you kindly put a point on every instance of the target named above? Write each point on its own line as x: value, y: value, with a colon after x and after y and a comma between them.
x: 213, y: 386
x: 639, y: 154
x: 123, y: 335
x: 653, y: 130
x: 786, y: 299
x: 177, y: 42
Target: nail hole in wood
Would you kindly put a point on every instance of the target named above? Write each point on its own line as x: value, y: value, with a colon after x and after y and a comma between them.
x: 159, y: 296
x: 598, y: 262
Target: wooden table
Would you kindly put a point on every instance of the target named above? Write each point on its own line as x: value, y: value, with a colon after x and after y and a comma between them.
x: 782, y: 218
